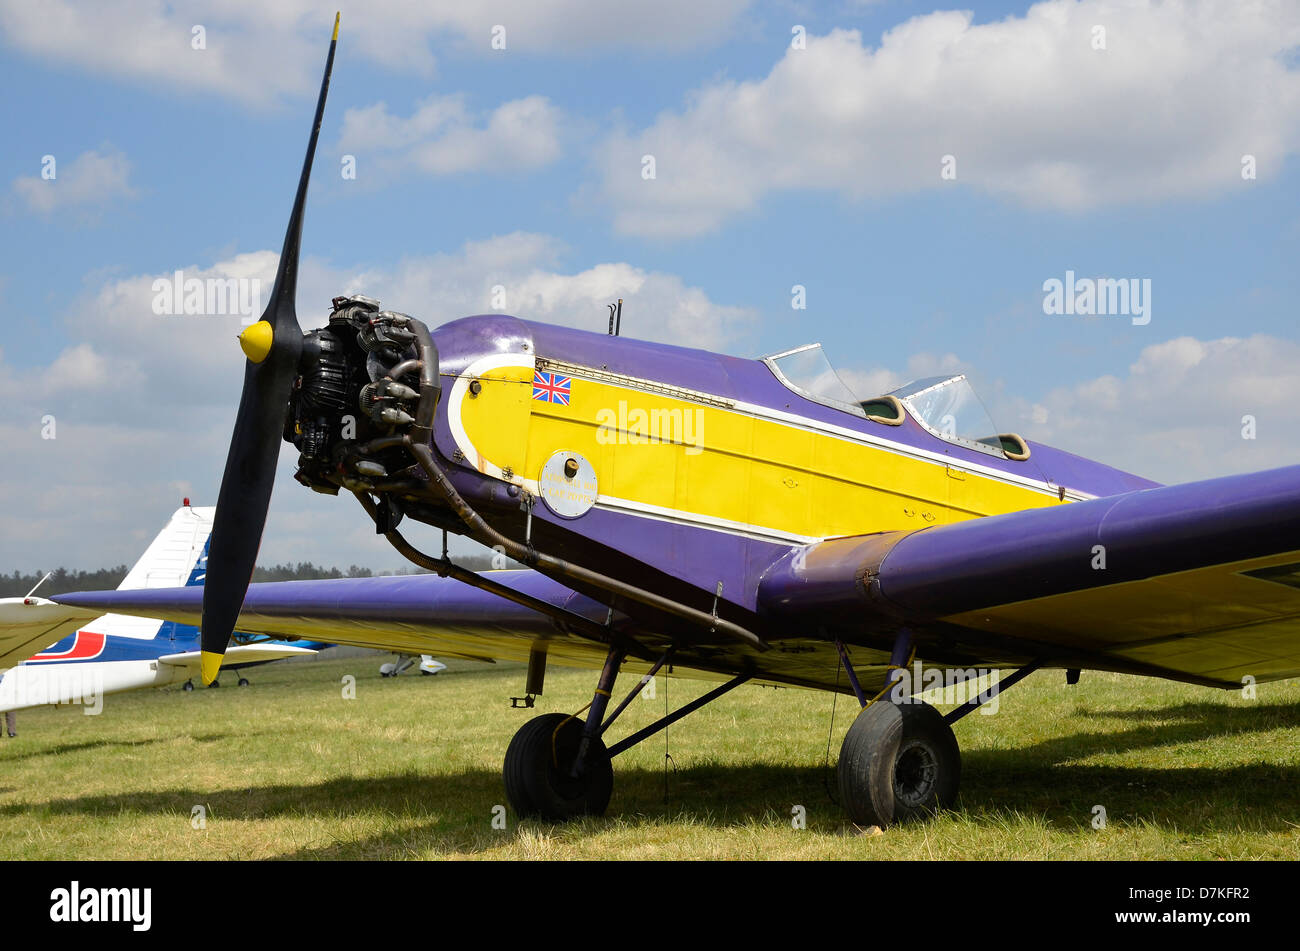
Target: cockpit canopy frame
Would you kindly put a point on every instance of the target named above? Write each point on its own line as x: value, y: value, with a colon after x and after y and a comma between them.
x: 945, y: 406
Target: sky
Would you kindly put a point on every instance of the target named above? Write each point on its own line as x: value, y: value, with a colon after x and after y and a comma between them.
x: 916, y: 176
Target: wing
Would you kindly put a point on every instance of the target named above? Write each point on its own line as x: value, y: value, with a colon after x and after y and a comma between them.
x: 412, y: 614
x: 28, y: 625
x: 444, y: 617
x: 1197, y: 582
x: 239, y: 655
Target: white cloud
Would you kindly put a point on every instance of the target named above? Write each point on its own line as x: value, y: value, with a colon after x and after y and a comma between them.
x: 441, y: 137
x: 1177, y: 414
x: 1026, y: 106
x: 257, y: 51
x: 656, y: 306
x: 144, y: 404
x: 91, y: 180
x: 77, y: 367
x: 129, y: 361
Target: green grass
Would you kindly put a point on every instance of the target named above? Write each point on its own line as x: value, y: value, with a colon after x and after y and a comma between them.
x: 411, y: 769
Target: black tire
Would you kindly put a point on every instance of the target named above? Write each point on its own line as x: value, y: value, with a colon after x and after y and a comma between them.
x: 243, y: 681
x: 899, y: 761
x: 537, y: 771
x: 187, y: 686
x: 215, y: 683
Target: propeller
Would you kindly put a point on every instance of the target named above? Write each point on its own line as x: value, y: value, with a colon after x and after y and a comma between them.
x: 273, y: 347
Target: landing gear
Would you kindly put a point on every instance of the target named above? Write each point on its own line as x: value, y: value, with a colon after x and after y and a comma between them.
x: 214, y: 685
x: 393, y: 668
x: 899, y: 761
x: 243, y: 681
x: 558, y: 767
x: 187, y: 686
x: 542, y: 780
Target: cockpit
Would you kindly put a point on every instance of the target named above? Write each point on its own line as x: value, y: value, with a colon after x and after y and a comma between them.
x: 944, y: 405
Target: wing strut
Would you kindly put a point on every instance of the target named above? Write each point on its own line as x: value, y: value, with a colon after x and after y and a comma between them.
x: 977, y: 701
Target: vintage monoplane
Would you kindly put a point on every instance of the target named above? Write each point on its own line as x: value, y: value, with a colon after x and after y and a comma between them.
x: 741, y: 520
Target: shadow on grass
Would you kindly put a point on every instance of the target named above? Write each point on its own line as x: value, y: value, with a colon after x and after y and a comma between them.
x: 452, y: 813
x: 1192, y: 722
x: 1193, y: 801
x: 79, y: 747
x: 442, y: 813
x: 63, y: 748
x: 1244, y: 714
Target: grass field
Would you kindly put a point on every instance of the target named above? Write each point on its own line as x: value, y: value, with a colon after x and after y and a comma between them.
x: 411, y: 769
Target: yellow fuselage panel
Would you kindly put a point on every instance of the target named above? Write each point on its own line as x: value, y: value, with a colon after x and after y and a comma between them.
x: 497, y: 418
x: 719, y: 464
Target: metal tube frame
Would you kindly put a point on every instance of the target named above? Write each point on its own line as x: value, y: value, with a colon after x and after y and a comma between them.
x: 853, y: 674
x: 898, y: 656
x: 645, y: 679
x: 663, y: 722
x: 596, y: 712
x: 449, y: 569
x: 1006, y: 683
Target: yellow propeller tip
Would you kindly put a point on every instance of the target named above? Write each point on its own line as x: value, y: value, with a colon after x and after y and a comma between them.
x: 256, y: 340
x: 211, y: 665
x: 336, y: 25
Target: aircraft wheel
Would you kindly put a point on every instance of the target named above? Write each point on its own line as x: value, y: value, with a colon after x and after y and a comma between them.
x: 214, y: 684
x: 187, y: 686
x: 899, y: 761
x: 537, y: 771
x: 243, y: 681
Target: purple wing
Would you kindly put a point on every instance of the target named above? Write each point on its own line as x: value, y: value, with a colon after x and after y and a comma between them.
x: 1198, y: 582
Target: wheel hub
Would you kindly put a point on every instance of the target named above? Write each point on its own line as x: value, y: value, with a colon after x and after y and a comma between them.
x: 915, y: 773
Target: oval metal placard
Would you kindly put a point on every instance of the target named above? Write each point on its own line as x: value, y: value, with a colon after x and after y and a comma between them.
x: 568, y: 484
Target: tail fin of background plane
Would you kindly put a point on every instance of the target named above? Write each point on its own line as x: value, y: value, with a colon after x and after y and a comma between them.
x: 178, y: 556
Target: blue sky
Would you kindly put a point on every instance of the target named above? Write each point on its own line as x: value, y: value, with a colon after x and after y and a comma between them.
x: 775, y: 167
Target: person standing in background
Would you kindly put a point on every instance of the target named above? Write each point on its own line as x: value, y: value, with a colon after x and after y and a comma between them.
x: 11, y: 718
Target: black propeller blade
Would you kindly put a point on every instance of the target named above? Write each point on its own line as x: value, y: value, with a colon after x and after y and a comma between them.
x: 273, y: 346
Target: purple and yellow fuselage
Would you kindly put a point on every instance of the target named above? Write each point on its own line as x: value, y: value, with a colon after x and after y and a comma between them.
x: 708, y: 468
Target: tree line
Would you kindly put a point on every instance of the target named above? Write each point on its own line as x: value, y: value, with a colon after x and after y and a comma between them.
x: 63, y: 580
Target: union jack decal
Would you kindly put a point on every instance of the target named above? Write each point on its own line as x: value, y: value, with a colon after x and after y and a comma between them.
x: 551, y: 387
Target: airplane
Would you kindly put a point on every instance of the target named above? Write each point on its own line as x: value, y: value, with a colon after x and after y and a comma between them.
x: 87, y: 655
x: 739, y: 520
x: 428, y: 666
